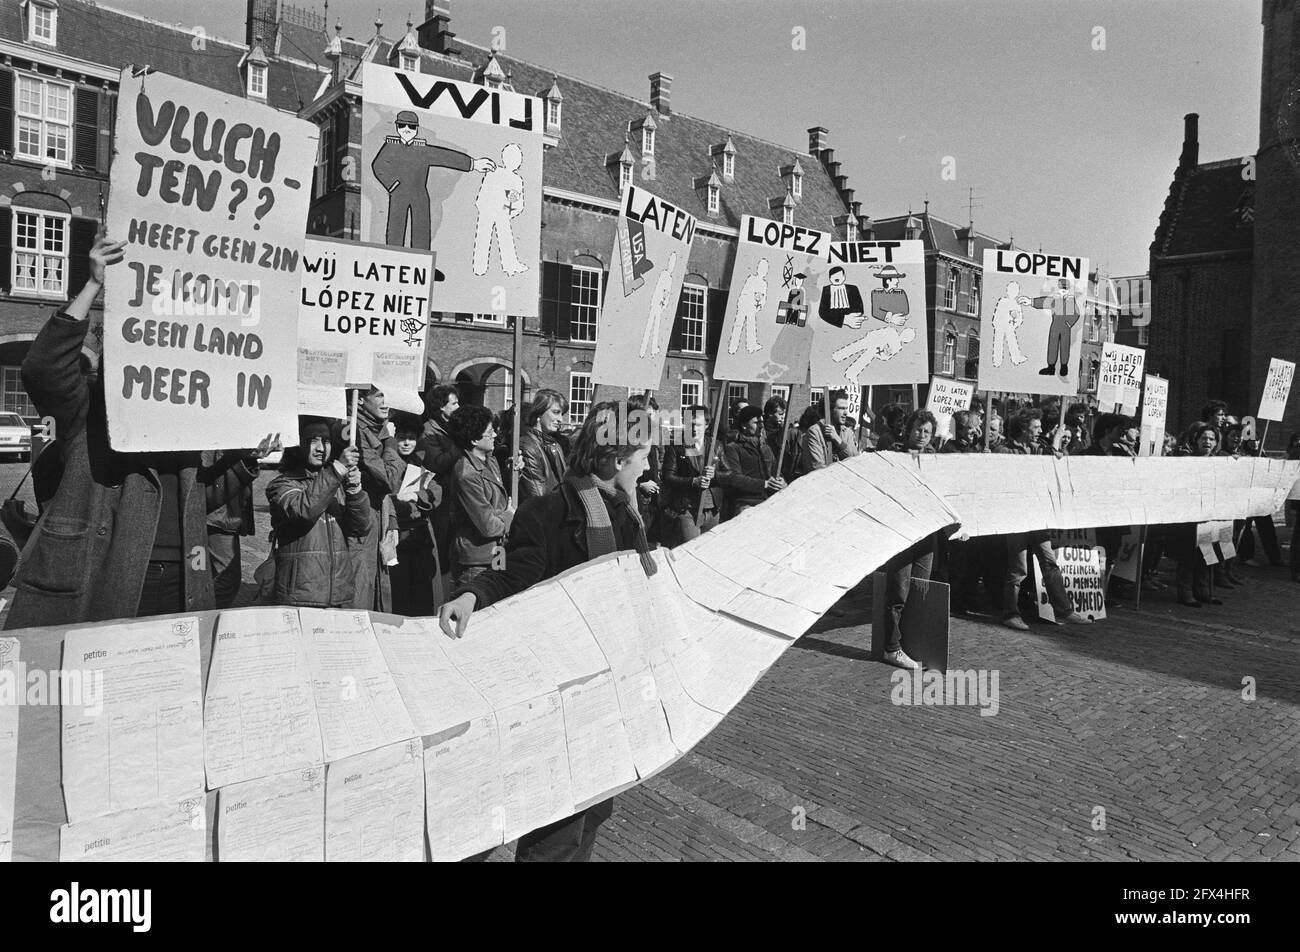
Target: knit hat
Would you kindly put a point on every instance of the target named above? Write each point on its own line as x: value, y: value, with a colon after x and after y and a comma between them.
x: 746, y: 414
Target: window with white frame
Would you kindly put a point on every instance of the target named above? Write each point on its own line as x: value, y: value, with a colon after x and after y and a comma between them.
x: 40, y: 243
x: 737, y: 391
x: 851, y: 230
x: 950, y: 293
x: 579, y: 397
x: 553, y: 113
x: 714, y: 191
x: 787, y: 216
x: 496, y: 319
x: 694, y: 317
x: 257, y: 80
x: 816, y: 395
x: 410, y: 63
x: 782, y: 390
x: 728, y: 164
x: 585, y: 311
x: 43, y: 24
x: 647, y: 141
x: 976, y: 289
x: 796, y: 185
x: 949, y: 353
x: 44, y: 120
x: 324, y: 151
x: 692, y: 393
x: 15, y: 399
x: 624, y: 175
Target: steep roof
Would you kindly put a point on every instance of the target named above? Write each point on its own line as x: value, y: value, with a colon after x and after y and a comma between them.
x: 937, y: 233
x: 595, y: 121
x: 116, y: 38
x: 1209, y: 208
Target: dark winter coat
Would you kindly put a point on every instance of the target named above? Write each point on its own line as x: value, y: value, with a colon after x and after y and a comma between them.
x: 748, y: 464
x: 544, y: 464
x: 480, y: 513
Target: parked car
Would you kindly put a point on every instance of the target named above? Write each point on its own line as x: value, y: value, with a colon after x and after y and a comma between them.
x: 15, y: 437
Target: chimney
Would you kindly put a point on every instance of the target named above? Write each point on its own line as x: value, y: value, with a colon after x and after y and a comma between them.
x: 1191, y: 144
x: 661, y: 87
x: 263, y: 20
x: 435, y: 33
x: 817, y: 140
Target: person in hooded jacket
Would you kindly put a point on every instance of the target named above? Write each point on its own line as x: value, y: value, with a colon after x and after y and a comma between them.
x: 317, y: 503
x: 592, y: 513
x: 125, y: 534
x: 748, y: 474
x: 416, y: 580
x: 381, y: 476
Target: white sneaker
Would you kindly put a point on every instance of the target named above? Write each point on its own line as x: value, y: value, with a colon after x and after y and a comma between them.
x: 899, y: 659
x: 1074, y: 618
x: 1016, y: 622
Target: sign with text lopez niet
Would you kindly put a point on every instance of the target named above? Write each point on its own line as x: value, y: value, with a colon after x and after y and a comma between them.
x: 945, y: 398
x: 1120, y: 381
x: 1277, y: 387
x: 775, y: 283
x: 210, y: 192
x: 457, y: 169
x: 651, y: 244
x: 1030, y: 322
x: 363, y: 319
x: 1155, y: 407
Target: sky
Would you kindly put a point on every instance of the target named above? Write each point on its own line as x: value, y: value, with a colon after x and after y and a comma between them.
x: 1064, y: 116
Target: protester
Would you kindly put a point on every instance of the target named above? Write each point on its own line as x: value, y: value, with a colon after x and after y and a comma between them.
x: 440, y: 453
x: 748, y: 474
x: 966, y: 434
x: 914, y: 562
x: 1262, y: 524
x: 687, y: 477
x: 647, y: 486
x: 994, y: 428
x: 317, y: 503
x: 733, y: 414
x: 825, y: 443
x: 381, y: 476
x: 1109, y: 438
x: 234, y: 474
x: 125, y: 534
x: 482, y: 511
x: 543, y: 459
x: 416, y: 578
x: 889, y: 427
x: 1200, y: 440
x: 1024, y: 431
x: 593, y: 513
x: 1293, y: 452
x: 774, y: 431
x: 1077, y: 438
x: 1215, y: 413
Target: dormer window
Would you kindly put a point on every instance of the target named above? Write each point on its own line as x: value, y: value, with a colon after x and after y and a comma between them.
x: 851, y: 230
x: 724, y: 156
x: 257, y: 80
x: 647, y: 140
x: 796, y: 184
x: 42, y: 23
x: 410, y: 63
x: 553, y: 107
x: 787, y: 215
x: 624, y: 175
x: 714, y: 195
x: 728, y: 165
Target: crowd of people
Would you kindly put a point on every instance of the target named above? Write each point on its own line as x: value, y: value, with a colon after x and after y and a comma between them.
x: 415, y: 515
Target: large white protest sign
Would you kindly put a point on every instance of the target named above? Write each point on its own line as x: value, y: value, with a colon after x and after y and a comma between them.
x: 455, y: 168
x: 945, y: 398
x: 363, y: 320
x: 1155, y: 407
x: 871, y: 316
x: 1120, y: 382
x: 1031, y: 310
x: 210, y: 192
x: 652, y: 243
x: 1277, y: 387
x: 775, y: 284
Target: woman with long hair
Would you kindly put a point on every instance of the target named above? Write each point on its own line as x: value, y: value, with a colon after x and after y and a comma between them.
x: 543, y: 455
x: 482, y: 511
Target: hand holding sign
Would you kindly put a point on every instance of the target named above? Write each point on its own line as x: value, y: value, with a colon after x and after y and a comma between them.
x: 103, y: 254
x: 269, y: 444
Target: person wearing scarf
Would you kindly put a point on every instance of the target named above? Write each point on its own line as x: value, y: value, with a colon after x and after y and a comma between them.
x: 381, y: 476
x: 592, y: 513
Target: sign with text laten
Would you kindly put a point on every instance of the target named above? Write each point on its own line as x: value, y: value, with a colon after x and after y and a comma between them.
x: 946, y: 397
x: 1277, y: 387
x: 775, y: 283
x: 363, y: 318
x: 651, y: 244
x: 1120, y: 380
x: 210, y: 192
x: 870, y: 319
x: 1155, y: 407
x: 455, y: 168
x: 1031, y: 313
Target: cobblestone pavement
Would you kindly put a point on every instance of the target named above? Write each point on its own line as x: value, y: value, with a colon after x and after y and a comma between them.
x: 1142, y: 716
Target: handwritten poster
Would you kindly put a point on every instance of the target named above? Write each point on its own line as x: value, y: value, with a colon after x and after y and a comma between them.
x: 1031, y: 310
x: 456, y: 169
x: 775, y: 285
x: 947, y: 397
x: 210, y: 192
x: 1277, y: 387
x: 651, y: 245
x: 870, y: 316
x: 1120, y: 382
x: 363, y: 320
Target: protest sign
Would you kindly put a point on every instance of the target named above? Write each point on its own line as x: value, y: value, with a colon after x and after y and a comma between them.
x: 1128, y: 560
x: 651, y: 245
x: 363, y: 320
x: 1083, y: 571
x: 775, y: 284
x: 1120, y: 383
x: 1277, y: 387
x: 1155, y: 406
x: 945, y: 398
x: 210, y: 192
x: 870, y: 321
x: 1031, y: 310
x: 457, y: 169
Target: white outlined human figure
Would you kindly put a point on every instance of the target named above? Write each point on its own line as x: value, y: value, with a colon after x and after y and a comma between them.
x: 658, y: 304
x: 752, y: 300
x: 500, y: 198
x: 889, y: 304
x: 1007, y: 317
